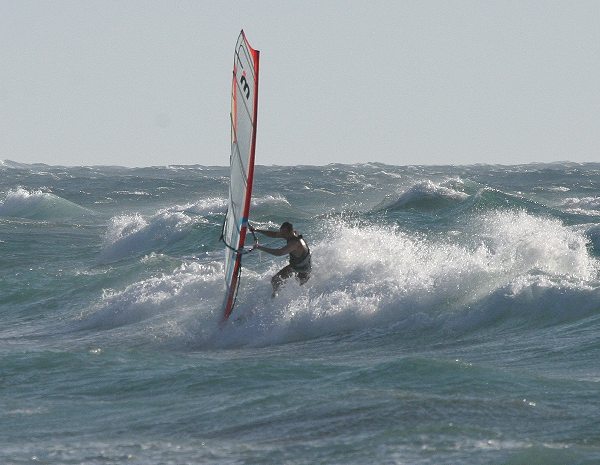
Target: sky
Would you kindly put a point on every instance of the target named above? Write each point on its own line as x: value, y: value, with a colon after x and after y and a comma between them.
x: 147, y: 83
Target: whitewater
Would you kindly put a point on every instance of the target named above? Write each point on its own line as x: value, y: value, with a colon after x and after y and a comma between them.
x: 452, y: 317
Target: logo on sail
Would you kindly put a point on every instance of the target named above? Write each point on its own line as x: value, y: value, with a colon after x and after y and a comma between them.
x: 245, y: 86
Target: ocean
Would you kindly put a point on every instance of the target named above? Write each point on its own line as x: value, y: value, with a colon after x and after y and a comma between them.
x: 452, y: 317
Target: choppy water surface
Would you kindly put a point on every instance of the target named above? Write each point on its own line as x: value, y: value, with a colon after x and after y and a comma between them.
x: 452, y: 317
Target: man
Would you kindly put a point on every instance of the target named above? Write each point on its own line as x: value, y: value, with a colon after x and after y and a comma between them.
x: 297, y: 249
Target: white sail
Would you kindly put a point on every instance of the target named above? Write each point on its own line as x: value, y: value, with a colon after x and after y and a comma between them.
x: 244, y: 110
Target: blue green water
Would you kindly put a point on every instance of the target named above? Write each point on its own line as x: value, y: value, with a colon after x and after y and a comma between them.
x: 452, y: 317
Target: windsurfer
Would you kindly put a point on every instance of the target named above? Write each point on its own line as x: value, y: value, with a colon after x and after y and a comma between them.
x: 298, y: 250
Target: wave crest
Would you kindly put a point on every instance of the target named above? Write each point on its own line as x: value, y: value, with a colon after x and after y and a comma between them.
x: 512, y: 267
x: 39, y: 205
x: 128, y: 235
x: 428, y: 195
x: 509, y: 270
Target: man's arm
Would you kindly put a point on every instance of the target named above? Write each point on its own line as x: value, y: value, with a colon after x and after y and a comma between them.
x: 273, y: 234
x: 277, y: 252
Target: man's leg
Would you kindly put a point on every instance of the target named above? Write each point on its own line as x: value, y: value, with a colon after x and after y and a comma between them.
x: 302, y: 277
x: 280, y: 277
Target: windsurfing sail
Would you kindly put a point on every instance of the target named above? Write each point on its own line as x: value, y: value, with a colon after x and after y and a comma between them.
x: 244, y: 110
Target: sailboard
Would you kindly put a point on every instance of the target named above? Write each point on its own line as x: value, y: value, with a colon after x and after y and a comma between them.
x: 244, y: 110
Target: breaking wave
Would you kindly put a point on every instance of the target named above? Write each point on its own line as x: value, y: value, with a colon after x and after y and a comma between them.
x: 514, y: 268
x: 38, y: 205
x: 128, y: 235
x: 428, y: 195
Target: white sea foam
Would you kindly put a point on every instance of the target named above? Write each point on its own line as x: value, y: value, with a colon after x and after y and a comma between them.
x: 585, y: 205
x: 158, y: 303
x: 514, y: 264
x: 375, y: 275
x: 207, y: 206
x: 270, y: 200
x: 391, y: 175
x: 526, y: 243
x: 133, y: 193
x: 133, y: 234
x: 218, y: 205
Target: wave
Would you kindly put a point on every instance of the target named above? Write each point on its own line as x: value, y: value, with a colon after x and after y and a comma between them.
x: 591, y: 231
x: 423, y: 282
x: 428, y: 195
x: 488, y: 199
x: 464, y: 198
x: 269, y: 200
x: 157, y: 297
x: 513, y: 269
x: 16, y: 165
x: 585, y: 205
x: 218, y: 205
x: 514, y: 266
x: 204, y: 207
x: 38, y: 205
x: 133, y: 234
